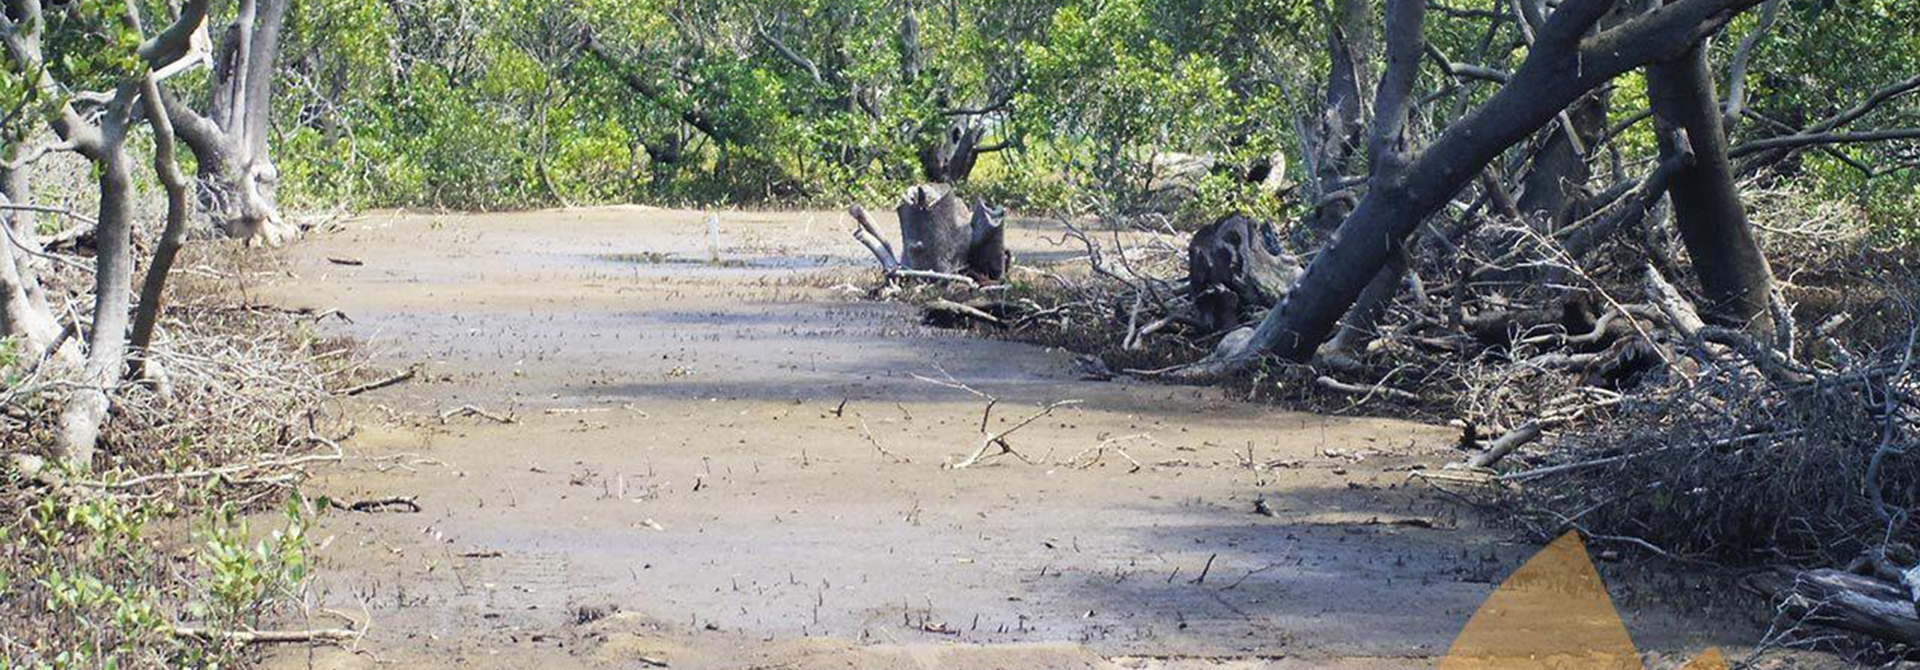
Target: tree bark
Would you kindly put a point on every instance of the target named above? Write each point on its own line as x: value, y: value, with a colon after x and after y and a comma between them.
x: 934, y: 229
x: 1844, y: 600
x: 1338, y: 135
x: 153, y: 288
x: 1706, y: 202
x: 1561, y: 67
x: 86, y: 408
x: 237, y: 177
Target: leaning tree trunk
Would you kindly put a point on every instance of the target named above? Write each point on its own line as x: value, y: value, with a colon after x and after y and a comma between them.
x: 1706, y: 203
x: 237, y: 176
x: 1561, y: 67
x: 23, y: 308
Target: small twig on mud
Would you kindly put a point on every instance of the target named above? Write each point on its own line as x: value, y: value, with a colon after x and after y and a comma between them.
x: 1099, y: 450
x: 876, y: 442
x: 1250, y: 573
x: 377, y: 385
x: 471, y: 410
x: 398, y: 503
x: 991, y: 439
x: 1205, y: 569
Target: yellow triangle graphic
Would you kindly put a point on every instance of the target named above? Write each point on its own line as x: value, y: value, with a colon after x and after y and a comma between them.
x: 1552, y: 612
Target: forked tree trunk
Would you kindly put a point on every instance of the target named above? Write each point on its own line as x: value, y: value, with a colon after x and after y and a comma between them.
x: 1733, y: 271
x: 950, y: 159
x: 153, y: 287
x: 940, y: 234
x: 1338, y: 134
x: 238, y: 179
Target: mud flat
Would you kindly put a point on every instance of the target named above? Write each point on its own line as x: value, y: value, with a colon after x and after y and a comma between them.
x: 730, y: 465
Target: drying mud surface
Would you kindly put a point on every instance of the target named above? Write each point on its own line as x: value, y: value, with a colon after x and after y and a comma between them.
x: 628, y: 455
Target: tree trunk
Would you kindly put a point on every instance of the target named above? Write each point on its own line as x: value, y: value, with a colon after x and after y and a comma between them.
x: 1557, y: 71
x: 153, y: 288
x: 1706, y: 203
x: 238, y: 180
x: 86, y: 409
x: 23, y: 307
x: 987, y: 246
x: 1338, y: 134
x: 950, y: 159
x: 1552, y: 189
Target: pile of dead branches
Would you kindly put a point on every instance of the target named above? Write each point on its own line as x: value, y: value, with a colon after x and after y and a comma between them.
x: 1590, y: 393
x: 230, y: 414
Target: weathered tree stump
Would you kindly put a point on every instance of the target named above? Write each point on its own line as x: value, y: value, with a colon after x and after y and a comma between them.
x: 1235, y: 265
x: 941, y: 235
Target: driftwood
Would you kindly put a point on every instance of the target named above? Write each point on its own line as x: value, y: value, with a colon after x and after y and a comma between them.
x: 265, y: 636
x: 941, y: 237
x: 1844, y: 600
x: 1235, y: 265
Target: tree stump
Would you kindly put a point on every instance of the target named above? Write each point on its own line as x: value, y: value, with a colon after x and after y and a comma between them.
x: 942, y: 235
x: 1235, y: 265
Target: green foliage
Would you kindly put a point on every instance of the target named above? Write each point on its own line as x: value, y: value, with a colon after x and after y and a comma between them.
x: 493, y: 104
x: 9, y: 357
x: 88, y: 583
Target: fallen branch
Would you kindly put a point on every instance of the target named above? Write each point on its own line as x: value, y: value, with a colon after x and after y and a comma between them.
x: 474, y: 410
x: 1499, y: 448
x: 265, y: 636
x: 1845, y: 601
x: 401, y: 503
x: 944, y: 306
x: 876, y: 443
x: 1367, y: 392
x: 377, y: 385
x: 227, y: 471
x: 1000, y: 439
x: 934, y: 276
x: 1099, y: 450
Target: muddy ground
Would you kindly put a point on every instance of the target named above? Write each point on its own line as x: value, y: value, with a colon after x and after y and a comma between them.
x: 690, y: 478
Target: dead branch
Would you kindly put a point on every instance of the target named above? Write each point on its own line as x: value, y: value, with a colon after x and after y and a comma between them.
x: 1000, y: 439
x: 1844, y: 600
x: 408, y: 375
x: 265, y: 636
x: 474, y: 410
